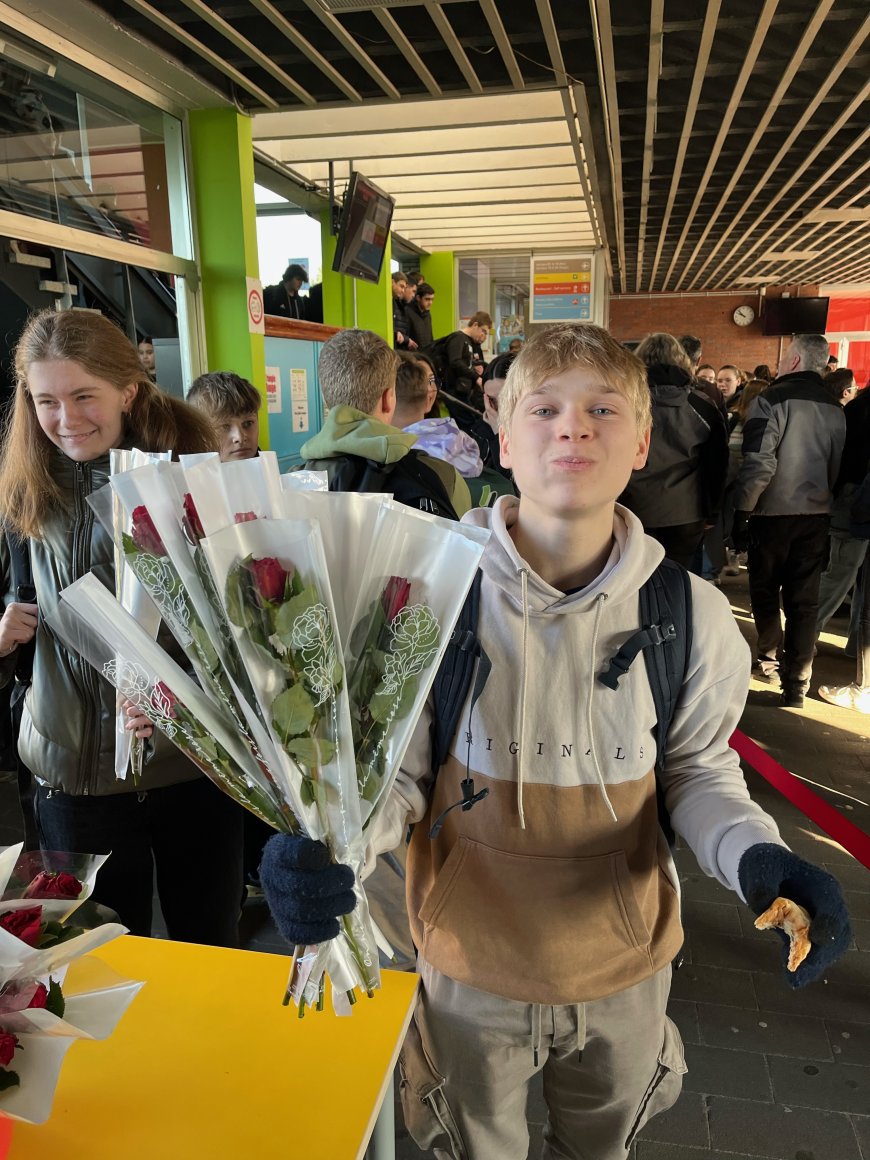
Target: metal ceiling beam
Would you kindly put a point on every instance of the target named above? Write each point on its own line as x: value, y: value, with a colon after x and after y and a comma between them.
x: 382, y: 169
x: 859, y: 101
x: 490, y: 111
x: 462, y: 198
x: 410, y: 55
x: 826, y: 257
x: 350, y: 45
x: 804, y: 230
x: 580, y: 161
x: 749, y: 61
x: 406, y: 212
x: 502, y: 42
x: 204, y: 53
x: 810, y: 33
x: 654, y: 65
x: 305, y: 47
x: 846, y: 268
x: 602, y: 36
x: 708, y: 32
x: 451, y: 40
x: 435, y: 142
x: 248, y: 49
x: 493, y: 179
x: 833, y: 76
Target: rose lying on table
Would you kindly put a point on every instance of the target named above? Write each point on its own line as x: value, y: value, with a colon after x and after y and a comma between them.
x: 768, y: 872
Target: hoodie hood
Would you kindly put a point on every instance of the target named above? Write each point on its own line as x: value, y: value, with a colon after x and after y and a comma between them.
x: 443, y: 439
x: 351, y: 432
x: 634, y: 558
x: 668, y: 384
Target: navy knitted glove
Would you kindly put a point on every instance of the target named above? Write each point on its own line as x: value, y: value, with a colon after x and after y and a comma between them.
x: 305, y: 890
x: 768, y: 871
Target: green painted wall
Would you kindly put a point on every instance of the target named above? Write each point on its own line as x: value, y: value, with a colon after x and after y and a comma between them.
x: 222, y: 163
x: 439, y: 271
x: 374, y: 303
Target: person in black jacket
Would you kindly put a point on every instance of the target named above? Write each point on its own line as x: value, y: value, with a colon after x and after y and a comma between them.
x: 284, y: 298
x: 463, y: 359
x: 679, y: 491
x: 418, y: 318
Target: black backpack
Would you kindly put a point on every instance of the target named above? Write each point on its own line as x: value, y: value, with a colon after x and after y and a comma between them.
x: 410, y: 480
x: 437, y: 352
x: 665, y: 639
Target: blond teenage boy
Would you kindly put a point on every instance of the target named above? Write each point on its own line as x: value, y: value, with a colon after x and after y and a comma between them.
x: 546, y: 917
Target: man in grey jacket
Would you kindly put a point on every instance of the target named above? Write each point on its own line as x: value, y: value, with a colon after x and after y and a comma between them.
x: 792, y: 443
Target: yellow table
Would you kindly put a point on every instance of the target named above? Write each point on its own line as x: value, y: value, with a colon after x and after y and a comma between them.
x: 207, y: 1065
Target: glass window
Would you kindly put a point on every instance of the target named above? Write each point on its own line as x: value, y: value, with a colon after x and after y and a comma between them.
x: 77, y: 152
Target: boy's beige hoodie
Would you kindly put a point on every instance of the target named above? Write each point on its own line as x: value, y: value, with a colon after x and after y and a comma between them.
x: 559, y: 887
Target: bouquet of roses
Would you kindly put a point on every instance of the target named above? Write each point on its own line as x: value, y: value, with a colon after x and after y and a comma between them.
x: 129, y: 750
x: 40, y: 1015
x: 303, y: 713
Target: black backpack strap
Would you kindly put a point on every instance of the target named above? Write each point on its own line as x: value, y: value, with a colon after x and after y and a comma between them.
x: 465, y: 661
x: 21, y: 574
x: 665, y: 638
x: 410, y: 480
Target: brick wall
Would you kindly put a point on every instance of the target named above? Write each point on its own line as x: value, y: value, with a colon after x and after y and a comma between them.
x: 707, y: 316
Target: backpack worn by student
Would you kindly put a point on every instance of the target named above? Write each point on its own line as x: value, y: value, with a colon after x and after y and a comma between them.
x: 410, y: 480
x: 665, y: 639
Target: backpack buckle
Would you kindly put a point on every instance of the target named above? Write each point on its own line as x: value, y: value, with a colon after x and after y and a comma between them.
x: 662, y: 633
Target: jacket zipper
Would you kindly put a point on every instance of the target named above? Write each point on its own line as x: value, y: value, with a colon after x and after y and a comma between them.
x: 91, y: 699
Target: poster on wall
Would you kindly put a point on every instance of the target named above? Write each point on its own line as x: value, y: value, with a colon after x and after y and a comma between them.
x: 561, y: 288
x: 299, y: 398
x: 273, y: 391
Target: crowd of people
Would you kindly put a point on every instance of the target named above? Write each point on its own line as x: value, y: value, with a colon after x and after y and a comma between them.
x: 592, y: 467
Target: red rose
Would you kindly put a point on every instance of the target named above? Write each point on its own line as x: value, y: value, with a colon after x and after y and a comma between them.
x: 395, y: 597
x: 8, y: 1043
x: 24, y: 924
x: 245, y: 517
x: 53, y: 885
x: 191, y: 522
x: 40, y: 996
x: 144, y: 533
x: 164, y: 700
x: 270, y: 578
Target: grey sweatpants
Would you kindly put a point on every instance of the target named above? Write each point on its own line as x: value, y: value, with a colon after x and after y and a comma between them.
x: 608, y: 1066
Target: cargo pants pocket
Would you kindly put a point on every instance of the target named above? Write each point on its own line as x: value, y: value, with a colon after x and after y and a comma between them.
x: 666, y: 1084
x: 427, y: 1115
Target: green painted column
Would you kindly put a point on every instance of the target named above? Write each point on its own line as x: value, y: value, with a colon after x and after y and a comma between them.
x: 374, y: 302
x: 222, y: 163
x: 439, y: 271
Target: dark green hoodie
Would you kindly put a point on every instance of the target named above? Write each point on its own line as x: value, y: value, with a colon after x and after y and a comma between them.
x: 351, y: 432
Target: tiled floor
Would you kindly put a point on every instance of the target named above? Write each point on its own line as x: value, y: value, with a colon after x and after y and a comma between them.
x: 773, y: 1074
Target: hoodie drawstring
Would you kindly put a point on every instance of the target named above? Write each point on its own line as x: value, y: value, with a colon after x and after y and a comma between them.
x: 524, y: 579
x: 590, y: 731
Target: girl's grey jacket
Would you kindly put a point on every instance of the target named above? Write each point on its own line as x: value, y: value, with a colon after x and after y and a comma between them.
x: 67, y: 736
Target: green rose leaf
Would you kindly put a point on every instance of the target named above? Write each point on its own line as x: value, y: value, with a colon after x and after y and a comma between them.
x: 309, y: 752
x: 55, y: 1002
x: 293, y: 608
x: 292, y: 712
x: 8, y: 1079
x: 130, y: 546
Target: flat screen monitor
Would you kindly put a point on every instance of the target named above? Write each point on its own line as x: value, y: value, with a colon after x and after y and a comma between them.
x: 794, y: 316
x: 364, y: 230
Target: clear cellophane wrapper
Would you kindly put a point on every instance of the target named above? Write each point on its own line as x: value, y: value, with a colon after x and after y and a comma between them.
x: 292, y: 653
x: 92, y: 1008
x: 435, y: 560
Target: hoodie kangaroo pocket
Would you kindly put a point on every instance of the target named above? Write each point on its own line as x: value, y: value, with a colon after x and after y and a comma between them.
x: 421, y: 1088
x: 537, y: 929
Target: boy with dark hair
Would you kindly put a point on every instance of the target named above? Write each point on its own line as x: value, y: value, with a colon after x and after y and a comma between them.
x: 463, y: 359
x: 546, y: 917
x: 232, y: 404
x: 284, y: 298
x: 418, y: 317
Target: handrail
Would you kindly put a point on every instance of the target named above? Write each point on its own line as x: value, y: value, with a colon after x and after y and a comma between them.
x: 278, y: 327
